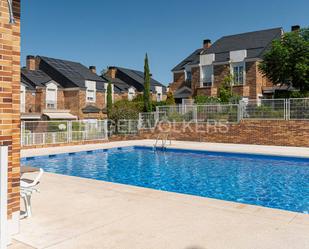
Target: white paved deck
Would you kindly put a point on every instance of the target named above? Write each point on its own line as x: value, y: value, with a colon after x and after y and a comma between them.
x: 73, y: 213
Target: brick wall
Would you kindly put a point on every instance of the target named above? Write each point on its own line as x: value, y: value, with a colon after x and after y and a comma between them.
x: 196, y: 79
x: 253, y: 85
x: 260, y: 132
x: 30, y: 101
x: 207, y: 91
x: 40, y: 100
x: 60, y: 99
x: 178, y: 82
x: 9, y: 104
x: 220, y: 72
x: 71, y: 101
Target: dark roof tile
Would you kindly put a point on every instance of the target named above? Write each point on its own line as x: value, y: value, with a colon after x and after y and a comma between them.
x: 69, y: 73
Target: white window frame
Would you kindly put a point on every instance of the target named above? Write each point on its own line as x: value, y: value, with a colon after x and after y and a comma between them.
x: 131, y: 93
x: 188, y: 72
x: 204, y: 75
x: 159, y: 93
x: 91, y: 91
x: 22, y: 98
x: 236, y: 82
x: 51, y: 103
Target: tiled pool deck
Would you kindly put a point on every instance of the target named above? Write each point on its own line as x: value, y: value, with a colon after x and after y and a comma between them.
x: 72, y: 212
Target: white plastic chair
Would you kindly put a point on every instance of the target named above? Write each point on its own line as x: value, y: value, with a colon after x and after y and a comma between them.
x: 27, y: 188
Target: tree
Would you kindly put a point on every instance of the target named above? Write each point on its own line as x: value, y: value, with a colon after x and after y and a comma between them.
x: 287, y: 62
x: 147, y: 101
x: 109, y: 99
x: 226, y: 89
x: 170, y: 98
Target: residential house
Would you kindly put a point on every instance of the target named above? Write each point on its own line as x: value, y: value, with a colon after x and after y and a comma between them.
x: 203, y: 72
x: 129, y: 83
x: 60, y: 89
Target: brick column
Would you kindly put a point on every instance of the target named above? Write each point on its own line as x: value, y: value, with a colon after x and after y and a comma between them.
x: 9, y: 104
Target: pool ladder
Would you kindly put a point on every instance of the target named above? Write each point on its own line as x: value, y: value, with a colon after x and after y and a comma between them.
x: 163, y: 137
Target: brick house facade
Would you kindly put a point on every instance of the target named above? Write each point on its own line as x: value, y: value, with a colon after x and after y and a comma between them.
x: 71, y: 93
x: 9, y: 105
x: 128, y: 83
x: 239, y: 55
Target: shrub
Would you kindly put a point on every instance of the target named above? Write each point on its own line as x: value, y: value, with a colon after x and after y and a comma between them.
x: 125, y: 109
x: 201, y: 99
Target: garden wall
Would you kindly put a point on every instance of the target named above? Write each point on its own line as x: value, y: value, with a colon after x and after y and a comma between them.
x: 260, y: 132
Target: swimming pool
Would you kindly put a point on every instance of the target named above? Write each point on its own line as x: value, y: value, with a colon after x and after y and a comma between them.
x: 276, y: 182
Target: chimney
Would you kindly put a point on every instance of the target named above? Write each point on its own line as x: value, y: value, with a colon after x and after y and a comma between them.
x: 295, y: 28
x: 93, y: 69
x: 112, y: 73
x: 206, y: 43
x: 31, y: 63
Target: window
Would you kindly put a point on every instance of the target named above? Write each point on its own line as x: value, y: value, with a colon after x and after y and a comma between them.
x: 159, y: 93
x: 51, y: 96
x: 90, y: 91
x: 238, y: 73
x: 207, y: 75
x: 22, y: 98
x: 131, y: 94
x: 188, y: 75
x: 159, y: 97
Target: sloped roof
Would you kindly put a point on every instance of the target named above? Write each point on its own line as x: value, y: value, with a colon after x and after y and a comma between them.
x: 256, y: 43
x: 136, y: 76
x: 69, y: 73
x: 119, y: 85
x: 192, y: 59
x: 183, y: 92
x: 34, y: 78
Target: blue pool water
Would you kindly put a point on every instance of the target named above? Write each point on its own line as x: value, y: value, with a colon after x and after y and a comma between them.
x: 275, y: 182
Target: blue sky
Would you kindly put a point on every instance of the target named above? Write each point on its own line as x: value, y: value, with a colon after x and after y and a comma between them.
x: 105, y: 33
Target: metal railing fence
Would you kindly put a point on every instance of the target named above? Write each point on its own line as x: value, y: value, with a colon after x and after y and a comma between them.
x: 127, y: 126
x: 200, y: 113
x: 54, y: 132
x: 149, y: 120
x: 270, y: 109
x: 298, y: 109
x: 262, y: 109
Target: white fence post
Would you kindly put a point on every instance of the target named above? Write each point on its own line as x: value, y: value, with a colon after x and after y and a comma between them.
x: 288, y: 109
x: 240, y: 110
x: 105, y: 127
x: 22, y: 134
x: 3, y: 197
x: 195, y: 113
x: 69, y: 131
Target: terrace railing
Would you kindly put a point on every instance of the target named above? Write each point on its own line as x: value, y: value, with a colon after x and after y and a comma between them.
x: 56, y: 132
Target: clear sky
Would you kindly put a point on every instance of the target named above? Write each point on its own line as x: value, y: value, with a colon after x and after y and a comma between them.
x: 105, y: 33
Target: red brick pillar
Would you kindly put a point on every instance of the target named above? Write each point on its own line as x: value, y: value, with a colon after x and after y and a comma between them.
x: 9, y: 104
